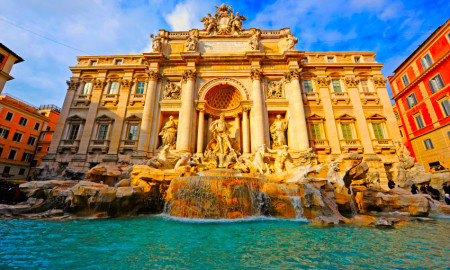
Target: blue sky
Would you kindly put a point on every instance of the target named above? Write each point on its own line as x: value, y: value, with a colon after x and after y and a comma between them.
x: 35, y: 29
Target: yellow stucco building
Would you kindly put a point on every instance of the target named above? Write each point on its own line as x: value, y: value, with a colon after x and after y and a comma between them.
x: 127, y: 107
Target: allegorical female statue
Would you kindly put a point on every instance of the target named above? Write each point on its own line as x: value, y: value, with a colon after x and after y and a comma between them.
x: 278, y: 131
x: 169, y: 133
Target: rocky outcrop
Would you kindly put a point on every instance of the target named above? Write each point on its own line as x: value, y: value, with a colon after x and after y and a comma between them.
x: 109, y: 174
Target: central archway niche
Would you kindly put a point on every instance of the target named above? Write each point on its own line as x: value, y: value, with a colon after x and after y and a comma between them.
x: 222, y: 96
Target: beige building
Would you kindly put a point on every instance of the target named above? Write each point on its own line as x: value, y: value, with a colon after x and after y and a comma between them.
x: 127, y: 107
x: 7, y: 59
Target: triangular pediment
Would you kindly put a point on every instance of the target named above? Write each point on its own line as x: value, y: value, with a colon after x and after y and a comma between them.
x: 133, y: 118
x: 75, y: 118
x: 104, y: 117
x: 315, y: 117
x: 346, y: 117
x: 376, y: 116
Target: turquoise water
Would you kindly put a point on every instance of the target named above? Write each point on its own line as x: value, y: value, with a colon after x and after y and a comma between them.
x: 155, y: 242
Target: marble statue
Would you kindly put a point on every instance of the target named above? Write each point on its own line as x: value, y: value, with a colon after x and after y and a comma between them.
x: 291, y: 41
x: 278, y: 131
x: 236, y: 22
x: 254, y: 40
x: 169, y: 133
x: 183, y: 160
x: 161, y: 161
x: 210, y: 23
x: 156, y: 43
x: 282, y: 156
x: 220, y: 137
x: 275, y: 89
x: 192, y: 43
x: 258, y: 162
x: 172, y: 91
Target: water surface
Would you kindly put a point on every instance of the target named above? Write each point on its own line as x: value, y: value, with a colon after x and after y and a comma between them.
x: 156, y: 242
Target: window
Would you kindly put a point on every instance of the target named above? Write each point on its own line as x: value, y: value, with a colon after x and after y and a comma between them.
x: 93, y: 63
x: 118, y: 62
x: 102, y: 132
x: 330, y: 59
x: 308, y: 86
x: 21, y: 171
x: 9, y: 116
x: 133, y: 132
x: 315, y: 130
x: 39, y: 148
x: 4, y: 133
x: 37, y: 126
x: 86, y: 88
x: 378, y: 131
x: 2, y: 58
x: 113, y: 88
x: 397, y: 116
x: 23, y: 121
x: 48, y: 128
x: 31, y: 140
x: 17, y: 137
x: 419, y: 121
x: 347, y: 131
x: 73, y: 132
x: 411, y: 100
x: 357, y: 60
x: 365, y: 85
x: 12, y: 154
x: 428, y: 144
x: 33, y: 163
x: 401, y: 133
x: 405, y: 80
x: 436, y: 83
x: 1, y: 150
x: 304, y: 60
x: 27, y: 157
x: 336, y: 86
x: 140, y: 88
x: 446, y: 107
x: 426, y: 61
x: 6, y: 169
x: 43, y: 136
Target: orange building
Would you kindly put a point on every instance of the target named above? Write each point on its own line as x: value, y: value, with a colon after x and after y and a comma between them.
x: 7, y: 59
x: 20, y: 127
x: 422, y: 98
x: 52, y: 113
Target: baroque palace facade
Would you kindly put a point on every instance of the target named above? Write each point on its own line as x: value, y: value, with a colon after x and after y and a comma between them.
x: 226, y: 90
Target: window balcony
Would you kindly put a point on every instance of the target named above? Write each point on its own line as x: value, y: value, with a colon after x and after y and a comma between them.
x: 312, y: 96
x: 320, y: 145
x: 383, y: 144
x: 137, y: 98
x: 101, y: 145
x: 71, y: 145
x: 130, y: 145
x: 82, y: 99
x: 340, y: 96
x: 110, y: 98
x: 352, y: 145
x: 367, y: 97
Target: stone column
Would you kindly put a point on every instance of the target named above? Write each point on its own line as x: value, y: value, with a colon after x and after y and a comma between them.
x: 201, y: 128
x: 237, y: 124
x: 147, y: 114
x: 297, y: 124
x: 58, y: 134
x: 97, y: 92
x: 361, y: 123
x: 186, y: 115
x: 116, y: 132
x: 258, y: 109
x: 245, y: 132
x: 330, y: 121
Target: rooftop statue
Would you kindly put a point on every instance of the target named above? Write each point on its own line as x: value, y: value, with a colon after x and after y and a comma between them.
x: 224, y: 22
x: 156, y: 43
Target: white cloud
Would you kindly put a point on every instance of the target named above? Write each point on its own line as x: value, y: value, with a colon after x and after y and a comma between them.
x: 186, y: 15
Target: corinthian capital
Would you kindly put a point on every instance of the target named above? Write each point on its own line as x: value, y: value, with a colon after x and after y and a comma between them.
x: 351, y: 82
x: 125, y: 83
x: 153, y: 75
x: 256, y: 74
x: 292, y: 75
x: 189, y: 75
x: 99, y: 83
x: 323, y: 81
x: 379, y: 82
x: 72, y: 84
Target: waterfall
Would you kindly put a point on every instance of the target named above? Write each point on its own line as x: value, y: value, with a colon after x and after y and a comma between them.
x: 222, y: 194
x: 295, y: 199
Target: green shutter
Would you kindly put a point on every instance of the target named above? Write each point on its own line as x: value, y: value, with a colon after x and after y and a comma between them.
x: 378, y: 131
x: 347, y: 131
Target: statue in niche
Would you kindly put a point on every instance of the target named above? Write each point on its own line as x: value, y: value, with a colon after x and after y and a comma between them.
x: 282, y: 156
x: 275, y: 89
x: 220, y: 142
x: 192, y: 43
x: 169, y: 133
x: 291, y: 41
x: 254, y: 40
x: 236, y: 22
x: 156, y: 43
x: 278, y: 131
x: 258, y: 162
x: 209, y: 23
x: 172, y: 91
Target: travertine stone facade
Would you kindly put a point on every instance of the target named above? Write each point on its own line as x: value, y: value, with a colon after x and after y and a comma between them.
x: 117, y: 105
